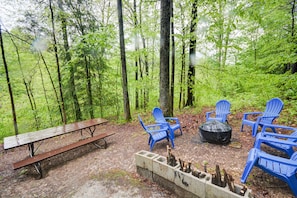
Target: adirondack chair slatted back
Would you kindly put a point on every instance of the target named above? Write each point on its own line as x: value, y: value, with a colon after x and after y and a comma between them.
x: 222, y: 108
x: 272, y: 111
x: 172, y: 122
x: 158, y: 115
x: 142, y: 124
x: 273, y: 107
x: 221, y: 112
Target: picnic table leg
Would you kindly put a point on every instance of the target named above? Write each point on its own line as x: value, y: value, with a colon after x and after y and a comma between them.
x: 37, y: 165
x: 100, y: 146
x: 91, y: 130
x: 31, y: 149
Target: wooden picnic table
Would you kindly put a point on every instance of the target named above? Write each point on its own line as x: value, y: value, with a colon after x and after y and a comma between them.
x: 32, y: 137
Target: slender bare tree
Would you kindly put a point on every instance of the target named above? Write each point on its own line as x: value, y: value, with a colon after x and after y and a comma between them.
x: 64, y: 119
x: 172, y: 59
x: 192, y: 55
x: 72, y: 87
x: 123, y: 60
x: 9, y: 85
x: 164, y: 58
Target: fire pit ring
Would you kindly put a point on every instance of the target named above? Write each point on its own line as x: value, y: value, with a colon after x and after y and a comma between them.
x: 215, y: 132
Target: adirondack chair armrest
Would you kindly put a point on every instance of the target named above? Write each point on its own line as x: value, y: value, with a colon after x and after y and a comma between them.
x: 245, y: 115
x: 252, y: 113
x: 271, y: 139
x: 209, y: 113
x: 259, y: 118
x: 270, y: 116
x: 277, y: 159
x: 227, y: 113
x: 277, y: 127
x: 172, y: 118
x: 277, y: 135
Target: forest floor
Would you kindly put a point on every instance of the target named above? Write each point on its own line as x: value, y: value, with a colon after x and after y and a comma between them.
x: 91, y: 172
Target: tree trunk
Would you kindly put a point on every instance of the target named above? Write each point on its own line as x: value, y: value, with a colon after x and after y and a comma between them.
x: 164, y: 58
x: 191, y: 71
x: 137, y: 55
x: 123, y: 60
x: 89, y: 85
x: 172, y: 61
x: 220, y: 34
x: 146, y: 90
x: 15, y: 124
x: 83, y: 28
x: 45, y: 95
x: 226, y: 42
x: 27, y: 84
x: 68, y: 58
x: 64, y: 119
x: 146, y: 65
x: 181, y: 102
x: 294, y: 65
x: 52, y: 82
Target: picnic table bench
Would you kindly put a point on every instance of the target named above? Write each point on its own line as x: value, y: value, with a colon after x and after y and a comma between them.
x: 37, y: 136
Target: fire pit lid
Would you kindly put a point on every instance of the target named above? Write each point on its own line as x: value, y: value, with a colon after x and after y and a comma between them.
x: 215, y: 126
x: 215, y: 132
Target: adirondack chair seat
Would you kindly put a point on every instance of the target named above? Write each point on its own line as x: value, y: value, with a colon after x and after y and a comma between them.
x: 261, y: 120
x: 282, y: 168
x: 172, y: 123
x: 272, y: 111
x: 221, y: 112
x: 157, y: 132
x: 156, y: 136
x: 282, y: 142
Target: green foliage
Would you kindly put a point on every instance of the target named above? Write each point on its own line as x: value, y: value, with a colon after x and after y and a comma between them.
x: 244, y: 48
x: 241, y: 86
x: 288, y: 86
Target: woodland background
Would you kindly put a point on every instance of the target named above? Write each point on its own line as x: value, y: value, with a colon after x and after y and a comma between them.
x: 62, y: 60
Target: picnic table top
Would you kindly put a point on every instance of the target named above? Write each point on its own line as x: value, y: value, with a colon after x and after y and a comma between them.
x: 35, y: 136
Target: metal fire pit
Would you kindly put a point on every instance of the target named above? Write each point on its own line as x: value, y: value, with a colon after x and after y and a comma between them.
x: 215, y: 132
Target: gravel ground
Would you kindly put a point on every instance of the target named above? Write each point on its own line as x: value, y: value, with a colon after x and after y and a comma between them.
x: 91, y: 172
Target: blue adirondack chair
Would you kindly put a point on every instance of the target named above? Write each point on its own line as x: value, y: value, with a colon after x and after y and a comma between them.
x: 171, y: 122
x: 282, y: 168
x: 272, y: 111
x: 282, y: 142
x: 157, y: 132
x: 221, y: 112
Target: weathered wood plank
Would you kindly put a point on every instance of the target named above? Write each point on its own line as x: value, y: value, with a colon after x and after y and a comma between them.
x: 42, y: 156
x: 31, y: 137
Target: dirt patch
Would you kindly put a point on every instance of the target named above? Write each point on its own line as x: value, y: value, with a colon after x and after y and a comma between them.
x: 111, y: 172
x: 119, y: 183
